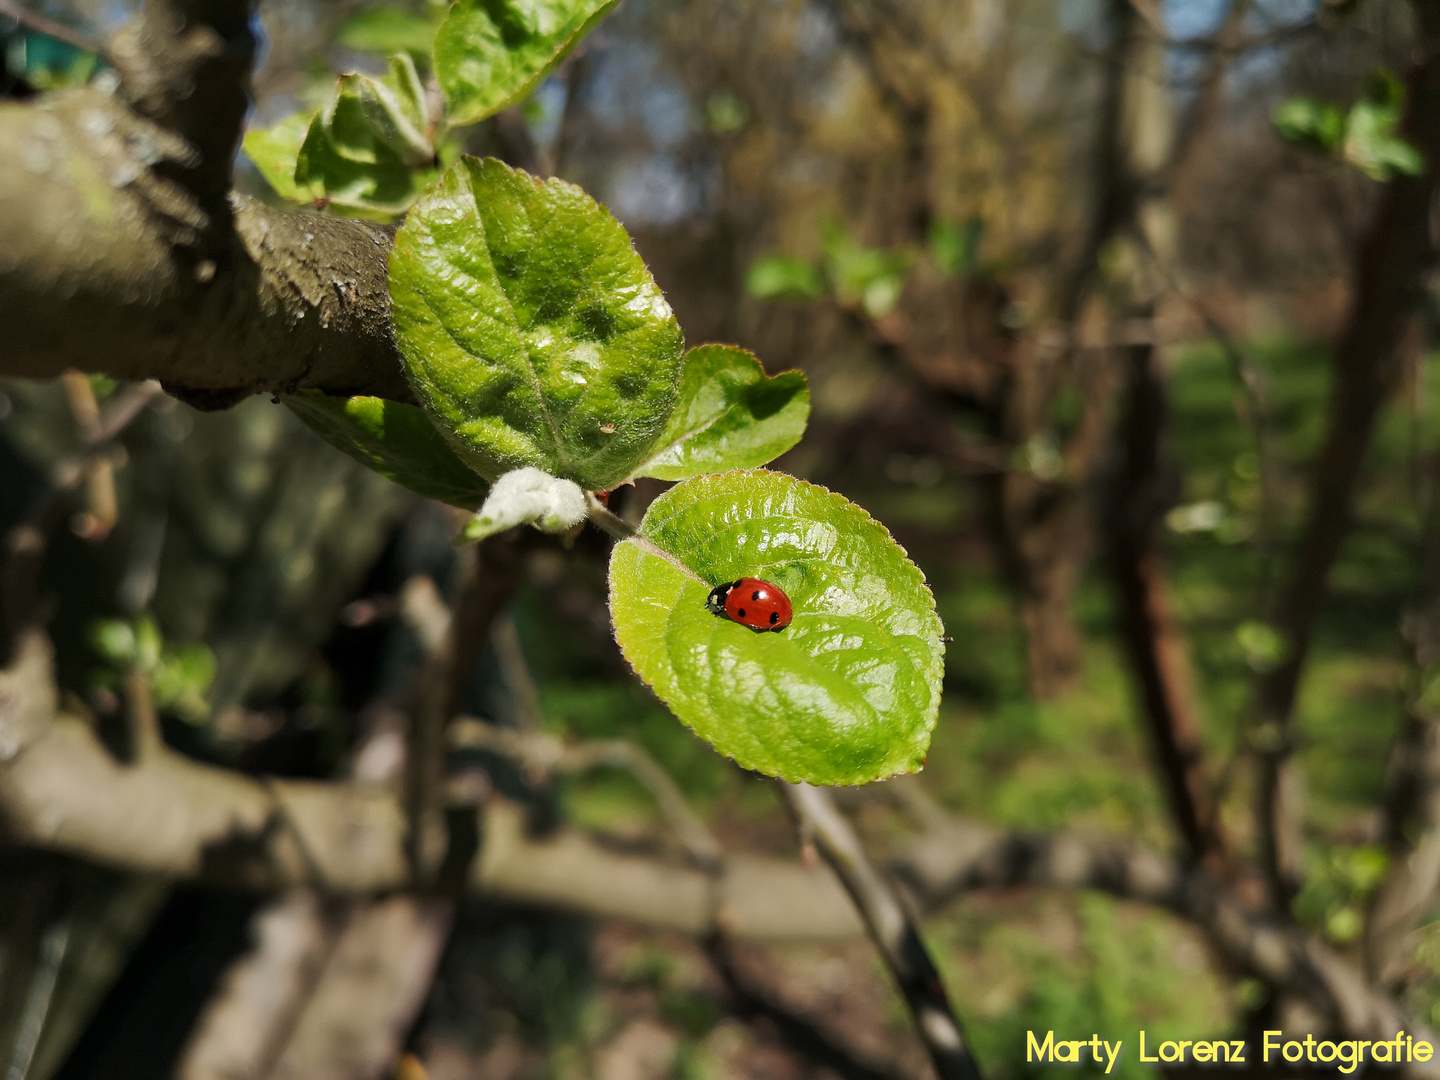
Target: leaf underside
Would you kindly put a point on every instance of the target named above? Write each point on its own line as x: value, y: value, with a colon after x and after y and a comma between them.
x: 396, y: 440
x: 848, y: 693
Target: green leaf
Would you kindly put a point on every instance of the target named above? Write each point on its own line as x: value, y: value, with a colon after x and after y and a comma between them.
x: 530, y: 328
x: 181, y: 679
x: 389, y: 112
x: 778, y: 277
x: 398, y: 441
x: 870, y: 277
x: 369, y: 149
x: 955, y: 248
x: 388, y: 30
x: 730, y: 415
x: 848, y: 693
x: 275, y: 151
x: 1309, y: 123
x: 491, y: 54
x: 1372, y: 146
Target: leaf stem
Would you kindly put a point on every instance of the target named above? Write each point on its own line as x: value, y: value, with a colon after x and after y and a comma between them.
x: 606, y: 520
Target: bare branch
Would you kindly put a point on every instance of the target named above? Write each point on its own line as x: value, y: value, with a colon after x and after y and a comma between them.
x: 61, y: 790
x: 890, y: 928
x: 547, y: 754
x: 33, y: 20
x: 1152, y: 639
x: 1389, y: 284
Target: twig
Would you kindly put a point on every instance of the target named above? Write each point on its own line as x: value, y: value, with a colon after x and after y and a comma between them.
x: 50, y: 28
x: 518, y: 680
x: 25, y: 544
x: 548, y: 754
x: 37, y: 1004
x: 892, y: 931
x: 145, y: 737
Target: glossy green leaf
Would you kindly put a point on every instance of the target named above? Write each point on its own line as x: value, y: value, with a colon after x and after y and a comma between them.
x: 369, y: 149
x: 388, y: 30
x: 779, y: 277
x: 396, y: 440
x: 276, y: 149
x: 848, y: 693
x: 530, y: 328
x: 491, y: 54
x: 730, y: 415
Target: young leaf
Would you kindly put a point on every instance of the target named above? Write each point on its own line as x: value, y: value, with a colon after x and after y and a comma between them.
x: 368, y: 149
x: 1372, y: 145
x: 527, y: 497
x: 398, y: 441
x: 778, y: 277
x: 870, y: 277
x: 367, y: 114
x: 275, y: 150
x: 730, y: 415
x: 491, y: 54
x: 848, y: 693
x: 530, y: 328
x: 1308, y: 122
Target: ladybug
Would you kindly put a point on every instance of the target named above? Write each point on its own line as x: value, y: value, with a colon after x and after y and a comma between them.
x: 753, y: 603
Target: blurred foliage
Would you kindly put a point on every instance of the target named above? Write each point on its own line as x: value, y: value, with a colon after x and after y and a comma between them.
x: 179, y: 677
x: 1364, y: 137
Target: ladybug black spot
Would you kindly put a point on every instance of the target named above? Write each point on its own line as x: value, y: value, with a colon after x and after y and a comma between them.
x: 774, y: 617
x: 741, y: 613
x: 755, y: 595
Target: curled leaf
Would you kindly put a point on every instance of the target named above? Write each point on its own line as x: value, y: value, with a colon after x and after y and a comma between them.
x: 730, y: 415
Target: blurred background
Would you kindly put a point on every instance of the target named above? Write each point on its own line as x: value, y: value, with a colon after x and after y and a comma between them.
x: 981, y: 228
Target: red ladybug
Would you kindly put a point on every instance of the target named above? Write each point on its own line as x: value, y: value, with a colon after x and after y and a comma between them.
x: 753, y: 603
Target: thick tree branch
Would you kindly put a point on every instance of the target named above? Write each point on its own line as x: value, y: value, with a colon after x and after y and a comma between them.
x: 105, y: 266
x: 122, y: 250
x: 61, y: 790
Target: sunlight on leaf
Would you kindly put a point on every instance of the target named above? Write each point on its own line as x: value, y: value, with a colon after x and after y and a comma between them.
x: 730, y: 415
x: 848, y: 693
x: 491, y: 54
x: 530, y: 328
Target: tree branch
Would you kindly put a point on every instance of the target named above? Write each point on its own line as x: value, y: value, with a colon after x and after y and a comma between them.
x: 1389, y: 285
x: 108, y: 264
x: 61, y: 790
x: 1151, y: 638
x: 892, y: 931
